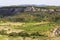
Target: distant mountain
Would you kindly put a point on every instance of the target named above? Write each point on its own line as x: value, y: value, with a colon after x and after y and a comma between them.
x: 42, y: 5
x: 24, y: 5
x: 32, y: 5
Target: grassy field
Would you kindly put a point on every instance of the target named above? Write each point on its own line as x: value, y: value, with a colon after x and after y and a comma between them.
x: 43, y: 28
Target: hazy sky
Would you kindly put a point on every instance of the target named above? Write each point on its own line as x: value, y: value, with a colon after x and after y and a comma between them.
x: 37, y: 2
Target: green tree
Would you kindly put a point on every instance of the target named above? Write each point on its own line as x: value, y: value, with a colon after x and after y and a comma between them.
x: 13, y: 34
x: 24, y: 35
x: 3, y: 32
x: 36, y: 35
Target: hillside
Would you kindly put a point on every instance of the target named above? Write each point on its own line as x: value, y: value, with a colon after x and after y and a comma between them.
x: 30, y: 13
x: 30, y: 23
x: 11, y: 10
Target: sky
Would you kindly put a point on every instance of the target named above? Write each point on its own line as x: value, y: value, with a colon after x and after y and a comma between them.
x: 35, y: 2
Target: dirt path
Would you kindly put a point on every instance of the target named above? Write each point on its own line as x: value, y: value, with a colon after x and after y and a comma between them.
x: 12, y: 23
x: 41, y: 23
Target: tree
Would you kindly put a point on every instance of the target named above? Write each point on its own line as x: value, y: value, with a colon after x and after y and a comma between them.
x: 24, y: 35
x: 36, y: 35
x: 3, y: 32
x: 13, y: 34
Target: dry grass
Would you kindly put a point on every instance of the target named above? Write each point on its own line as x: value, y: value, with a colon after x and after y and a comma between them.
x: 4, y: 26
x: 12, y: 24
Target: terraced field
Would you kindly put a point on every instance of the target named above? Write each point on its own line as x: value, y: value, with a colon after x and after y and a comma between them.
x: 43, y: 28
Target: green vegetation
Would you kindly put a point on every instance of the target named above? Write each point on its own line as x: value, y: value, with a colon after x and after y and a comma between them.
x: 34, y: 25
x: 32, y: 30
x: 33, y: 17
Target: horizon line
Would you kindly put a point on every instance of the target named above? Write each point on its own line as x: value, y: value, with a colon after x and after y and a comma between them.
x: 29, y: 5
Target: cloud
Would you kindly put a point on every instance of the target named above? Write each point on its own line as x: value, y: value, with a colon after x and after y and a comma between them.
x: 20, y: 2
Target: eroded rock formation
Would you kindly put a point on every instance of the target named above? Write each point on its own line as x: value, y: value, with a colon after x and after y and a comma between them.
x: 56, y: 31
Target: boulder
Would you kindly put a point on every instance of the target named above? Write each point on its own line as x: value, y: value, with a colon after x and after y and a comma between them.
x: 56, y: 31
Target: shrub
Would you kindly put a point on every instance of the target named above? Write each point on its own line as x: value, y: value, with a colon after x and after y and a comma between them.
x: 13, y: 34
x: 3, y: 32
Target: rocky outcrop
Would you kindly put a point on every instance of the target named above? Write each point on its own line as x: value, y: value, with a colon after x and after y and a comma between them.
x: 10, y: 10
x: 6, y: 11
x: 56, y: 31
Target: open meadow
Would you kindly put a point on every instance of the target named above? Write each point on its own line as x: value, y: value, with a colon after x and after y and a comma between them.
x: 42, y: 30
